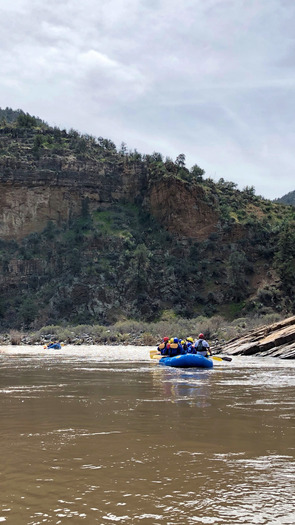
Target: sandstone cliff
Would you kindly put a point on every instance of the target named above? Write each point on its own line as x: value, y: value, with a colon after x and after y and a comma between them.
x: 184, y: 210
x: 52, y: 187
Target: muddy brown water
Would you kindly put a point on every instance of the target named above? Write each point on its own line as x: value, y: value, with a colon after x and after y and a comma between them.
x: 102, y: 435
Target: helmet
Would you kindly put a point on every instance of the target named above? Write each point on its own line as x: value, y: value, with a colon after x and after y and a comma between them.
x: 165, y: 339
x: 182, y: 342
x: 190, y: 339
x: 201, y: 336
x: 175, y: 340
x: 171, y: 340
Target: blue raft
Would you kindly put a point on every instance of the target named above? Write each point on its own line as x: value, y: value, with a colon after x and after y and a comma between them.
x: 54, y: 346
x: 187, y: 361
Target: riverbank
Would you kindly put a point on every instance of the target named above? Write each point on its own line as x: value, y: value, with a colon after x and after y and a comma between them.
x: 216, y: 329
x: 244, y: 336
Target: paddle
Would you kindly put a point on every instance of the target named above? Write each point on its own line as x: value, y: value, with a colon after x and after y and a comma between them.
x: 218, y: 358
x: 154, y: 354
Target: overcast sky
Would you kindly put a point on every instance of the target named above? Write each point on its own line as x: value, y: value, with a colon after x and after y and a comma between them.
x: 213, y: 79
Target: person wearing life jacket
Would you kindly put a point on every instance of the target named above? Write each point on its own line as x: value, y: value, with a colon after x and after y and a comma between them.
x: 202, y: 347
x: 162, y: 348
x: 175, y: 348
x: 165, y: 351
x: 189, y: 343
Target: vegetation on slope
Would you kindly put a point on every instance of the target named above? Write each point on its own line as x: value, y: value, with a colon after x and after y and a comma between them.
x: 121, y: 263
x: 289, y: 198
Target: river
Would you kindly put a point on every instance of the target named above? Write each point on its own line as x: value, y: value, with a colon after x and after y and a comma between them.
x: 104, y: 435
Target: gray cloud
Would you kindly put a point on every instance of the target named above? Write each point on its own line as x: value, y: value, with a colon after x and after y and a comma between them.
x: 214, y: 80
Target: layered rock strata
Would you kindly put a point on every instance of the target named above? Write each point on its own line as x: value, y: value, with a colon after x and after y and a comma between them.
x: 275, y: 340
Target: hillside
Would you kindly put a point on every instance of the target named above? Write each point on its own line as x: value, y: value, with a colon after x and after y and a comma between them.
x: 90, y: 233
x: 289, y: 198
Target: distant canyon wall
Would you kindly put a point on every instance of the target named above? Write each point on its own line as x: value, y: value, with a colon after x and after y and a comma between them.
x: 31, y: 196
x: 53, y: 190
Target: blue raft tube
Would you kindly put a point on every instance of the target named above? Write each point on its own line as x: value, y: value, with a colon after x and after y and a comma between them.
x: 187, y: 361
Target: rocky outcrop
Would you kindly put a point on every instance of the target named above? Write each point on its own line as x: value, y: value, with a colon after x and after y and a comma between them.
x: 183, y: 209
x: 27, y: 206
x: 276, y: 340
x: 37, y: 186
x: 33, y: 193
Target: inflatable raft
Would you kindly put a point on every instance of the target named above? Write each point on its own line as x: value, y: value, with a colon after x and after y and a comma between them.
x: 187, y: 361
x: 54, y: 346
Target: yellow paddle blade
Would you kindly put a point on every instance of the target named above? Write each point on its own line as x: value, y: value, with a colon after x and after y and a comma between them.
x: 153, y: 352
x: 215, y: 357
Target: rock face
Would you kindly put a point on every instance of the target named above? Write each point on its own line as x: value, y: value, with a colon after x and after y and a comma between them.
x: 184, y: 210
x: 276, y: 340
x: 37, y: 189
x: 33, y: 193
x: 26, y: 207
